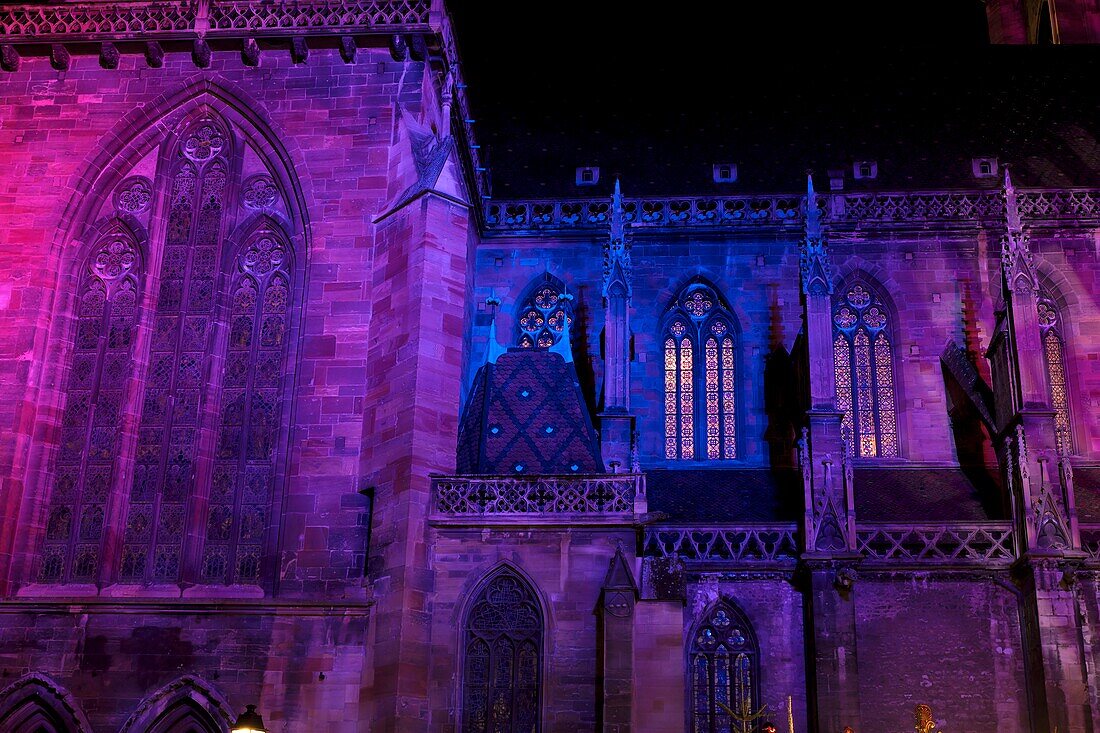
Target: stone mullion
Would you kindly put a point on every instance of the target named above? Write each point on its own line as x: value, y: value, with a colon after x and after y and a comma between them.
x: 246, y: 424
x: 82, y: 471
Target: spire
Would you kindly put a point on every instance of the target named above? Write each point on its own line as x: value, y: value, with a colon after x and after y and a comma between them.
x: 494, y: 350
x: 616, y: 254
x: 562, y: 347
x: 1016, y: 257
x: 817, y: 271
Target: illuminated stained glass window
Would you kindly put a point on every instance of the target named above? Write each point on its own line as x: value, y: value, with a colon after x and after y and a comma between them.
x: 724, y: 672
x: 502, y: 658
x: 699, y: 359
x: 168, y: 435
x: 1054, y: 354
x: 864, y: 366
x: 543, y: 315
x: 105, y: 328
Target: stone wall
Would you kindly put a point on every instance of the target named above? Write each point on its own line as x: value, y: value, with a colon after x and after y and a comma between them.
x: 952, y: 644
x: 941, y: 285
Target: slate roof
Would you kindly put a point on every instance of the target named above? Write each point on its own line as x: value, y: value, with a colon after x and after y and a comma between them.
x: 719, y: 495
x: 1086, y: 488
x: 659, y: 106
x: 882, y: 495
x: 926, y: 494
x: 526, y: 415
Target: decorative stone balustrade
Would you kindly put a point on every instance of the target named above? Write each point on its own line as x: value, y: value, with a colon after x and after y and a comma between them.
x: 779, y: 210
x: 774, y: 544
x: 539, y: 496
x: 953, y: 543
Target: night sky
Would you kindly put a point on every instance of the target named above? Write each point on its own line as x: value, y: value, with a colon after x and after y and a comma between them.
x: 659, y: 97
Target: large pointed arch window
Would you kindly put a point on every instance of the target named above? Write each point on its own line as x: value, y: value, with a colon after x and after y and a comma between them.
x: 699, y: 349
x: 502, y: 658
x: 723, y: 672
x: 195, y: 486
x: 1054, y: 355
x: 105, y: 327
x: 863, y: 359
x: 168, y: 435
x: 544, y: 314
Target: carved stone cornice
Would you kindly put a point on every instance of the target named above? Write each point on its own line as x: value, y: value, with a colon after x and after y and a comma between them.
x: 187, y: 19
x: 1070, y: 206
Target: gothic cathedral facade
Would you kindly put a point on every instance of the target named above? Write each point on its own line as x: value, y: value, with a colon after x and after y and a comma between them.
x: 294, y: 415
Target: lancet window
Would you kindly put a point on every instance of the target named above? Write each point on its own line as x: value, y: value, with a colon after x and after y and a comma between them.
x: 723, y: 673
x: 864, y: 365
x: 1054, y: 355
x: 502, y: 658
x: 699, y: 349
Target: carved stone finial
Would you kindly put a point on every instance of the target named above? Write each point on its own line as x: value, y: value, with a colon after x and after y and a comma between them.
x: 250, y: 52
x: 348, y: 49
x: 59, y: 57
x: 201, y: 53
x: 109, y: 55
x: 1016, y: 257
x: 616, y: 254
x: 154, y: 55
x: 814, y: 264
x: 9, y: 59
x: 299, y: 51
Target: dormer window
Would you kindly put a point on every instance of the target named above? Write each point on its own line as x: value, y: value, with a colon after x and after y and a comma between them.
x: 865, y: 170
x: 983, y: 167
x: 588, y: 175
x: 725, y: 173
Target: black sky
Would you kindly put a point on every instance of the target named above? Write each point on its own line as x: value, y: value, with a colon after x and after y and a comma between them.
x: 659, y: 96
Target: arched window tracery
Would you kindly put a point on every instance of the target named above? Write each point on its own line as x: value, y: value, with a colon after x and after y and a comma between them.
x: 1051, y: 332
x: 244, y: 455
x: 106, y: 311
x: 502, y: 658
x: 168, y: 434
x: 199, y: 480
x: 543, y: 315
x: 723, y: 670
x: 699, y: 347
x: 864, y: 368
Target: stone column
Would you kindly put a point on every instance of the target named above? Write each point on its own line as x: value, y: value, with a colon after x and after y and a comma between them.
x: 411, y: 423
x: 616, y: 422
x: 1040, y: 479
x: 829, y: 555
x: 615, y: 632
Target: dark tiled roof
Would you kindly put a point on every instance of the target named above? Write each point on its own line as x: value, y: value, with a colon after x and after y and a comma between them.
x: 1086, y: 488
x: 526, y: 415
x: 882, y: 495
x: 925, y: 494
x: 725, y: 495
x: 922, y: 108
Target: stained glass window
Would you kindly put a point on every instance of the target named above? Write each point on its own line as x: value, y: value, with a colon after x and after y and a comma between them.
x: 105, y: 326
x: 244, y: 454
x: 502, y: 658
x: 724, y: 673
x: 543, y: 315
x: 1054, y: 354
x: 864, y: 366
x: 168, y: 434
x: 699, y: 356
